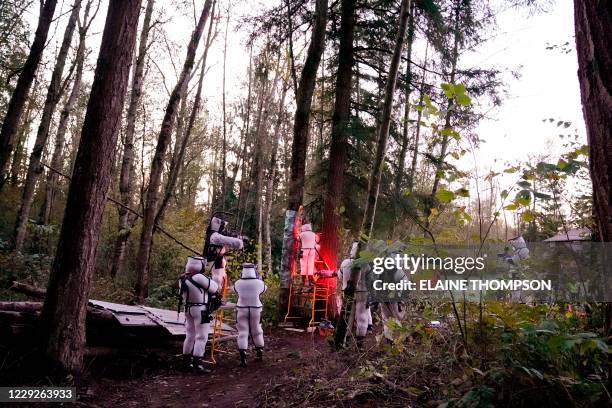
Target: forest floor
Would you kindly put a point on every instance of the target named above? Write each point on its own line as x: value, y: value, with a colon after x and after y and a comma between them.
x: 288, y: 356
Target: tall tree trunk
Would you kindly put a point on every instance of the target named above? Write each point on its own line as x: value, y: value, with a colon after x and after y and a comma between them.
x: 272, y: 177
x: 22, y: 89
x: 260, y: 152
x: 126, y: 177
x: 385, y: 123
x: 141, y: 289
x: 417, y: 135
x: 246, y: 141
x: 24, y: 132
x: 339, y: 135
x: 592, y: 23
x: 60, y: 137
x: 449, y: 107
x: 224, y: 148
x: 177, y: 161
x: 52, y: 99
x: 374, y: 183
x: 63, y: 315
x: 300, y: 143
x: 401, y: 160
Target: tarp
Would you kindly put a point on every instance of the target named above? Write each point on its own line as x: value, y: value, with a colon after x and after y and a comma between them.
x: 143, y: 316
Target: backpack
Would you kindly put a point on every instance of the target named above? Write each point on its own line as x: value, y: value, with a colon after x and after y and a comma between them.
x: 213, y: 301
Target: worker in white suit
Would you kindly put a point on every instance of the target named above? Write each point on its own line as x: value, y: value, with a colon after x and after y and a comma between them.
x: 249, y: 289
x: 310, y: 248
x: 363, y: 314
x: 217, y: 244
x: 521, y: 252
x: 196, y: 291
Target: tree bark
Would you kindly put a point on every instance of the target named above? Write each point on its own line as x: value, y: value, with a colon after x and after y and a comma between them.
x: 300, y: 143
x: 339, y: 135
x: 180, y: 154
x: 56, y: 158
x: 385, y: 122
x: 260, y: 154
x: 246, y: 140
x: 22, y: 89
x: 24, y: 132
x: 224, y: 148
x: 449, y: 112
x: 374, y: 183
x: 272, y: 177
x: 141, y: 289
x: 401, y: 160
x: 417, y: 135
x: 593, y: 21
x: 53, y: 97
x: 126, y: 177
x: 63, y: 316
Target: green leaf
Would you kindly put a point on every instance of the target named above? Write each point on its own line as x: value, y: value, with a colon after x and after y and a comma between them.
x: 504, y: 194
x: 511, y: 170
x: 445, y: 196
x: 583, y: 150
x: 527, y: 216
x: 464, y: 100
x: 462, y: 192
x: 524, y: 184
x: 523, y: 197
x: 511, y: 207
x: 448, y: 89
x: 459, y: 89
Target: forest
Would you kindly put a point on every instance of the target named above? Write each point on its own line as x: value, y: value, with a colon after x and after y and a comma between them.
x: 378, y: 128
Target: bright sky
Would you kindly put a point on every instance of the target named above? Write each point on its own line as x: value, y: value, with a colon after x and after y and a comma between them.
x: 547, y: 88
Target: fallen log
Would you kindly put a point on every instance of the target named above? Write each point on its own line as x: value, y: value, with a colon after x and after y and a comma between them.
x: 27, y: 307
x: 33, y: 308
x: 29, y: 290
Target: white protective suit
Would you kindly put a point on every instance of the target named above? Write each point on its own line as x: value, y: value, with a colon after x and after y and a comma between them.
x: 195, y: 290
x: 521, y: 251
x: 309, y: 250
x: 363, y: 314
x: 224, y: 243
x: 248, y: 307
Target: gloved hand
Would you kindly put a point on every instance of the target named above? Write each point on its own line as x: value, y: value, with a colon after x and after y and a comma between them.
x: 214, y: 302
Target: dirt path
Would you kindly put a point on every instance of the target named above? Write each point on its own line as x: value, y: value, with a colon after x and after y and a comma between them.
x: 227, y: 386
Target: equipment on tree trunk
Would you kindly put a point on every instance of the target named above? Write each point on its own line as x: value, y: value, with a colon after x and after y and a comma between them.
x: 310, y: 289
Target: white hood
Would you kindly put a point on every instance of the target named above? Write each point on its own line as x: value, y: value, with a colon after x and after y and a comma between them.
x: 518, y: 242
x: 194, y: 264
x: 248, y: 271
x: 216, y: 224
